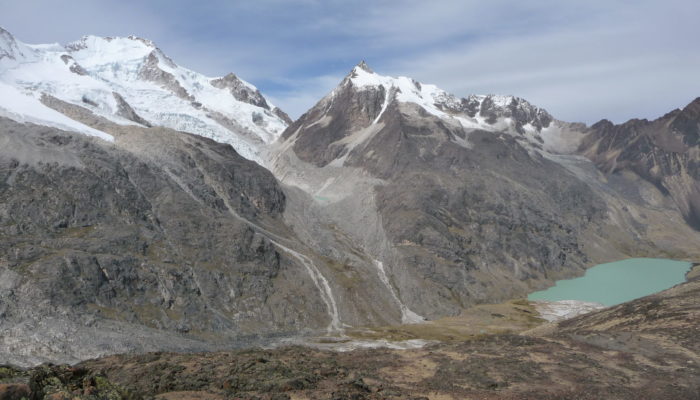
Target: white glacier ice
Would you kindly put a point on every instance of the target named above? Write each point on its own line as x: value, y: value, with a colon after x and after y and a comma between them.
x: 88, y: 73
x: 25, y: 108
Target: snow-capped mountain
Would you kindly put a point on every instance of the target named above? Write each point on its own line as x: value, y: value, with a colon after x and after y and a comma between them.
x: 465, y: 200
x: 130, y: 81
x: 363, y: 98
x: 365, y: 102
x: 488, y: 112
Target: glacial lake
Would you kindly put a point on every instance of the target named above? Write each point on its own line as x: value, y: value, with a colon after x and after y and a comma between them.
x: 617, y: 282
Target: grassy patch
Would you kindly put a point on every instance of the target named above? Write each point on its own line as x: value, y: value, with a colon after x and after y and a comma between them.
x: 473, y: 323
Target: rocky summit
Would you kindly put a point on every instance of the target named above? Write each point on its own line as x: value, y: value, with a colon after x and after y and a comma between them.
x: 145, y: 207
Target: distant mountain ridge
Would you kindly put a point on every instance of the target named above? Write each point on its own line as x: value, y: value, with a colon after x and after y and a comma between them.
x: 665, y: 152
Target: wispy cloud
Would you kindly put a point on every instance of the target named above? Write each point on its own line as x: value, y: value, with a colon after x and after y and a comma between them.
x: 582, y: 60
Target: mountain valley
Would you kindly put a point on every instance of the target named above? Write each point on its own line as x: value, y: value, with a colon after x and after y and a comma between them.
x: 145, y: 207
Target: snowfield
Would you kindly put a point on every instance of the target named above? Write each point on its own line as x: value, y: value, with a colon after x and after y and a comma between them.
x: 95, y: 72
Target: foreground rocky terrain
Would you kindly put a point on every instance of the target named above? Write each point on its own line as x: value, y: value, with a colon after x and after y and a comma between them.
x: 644, y: 349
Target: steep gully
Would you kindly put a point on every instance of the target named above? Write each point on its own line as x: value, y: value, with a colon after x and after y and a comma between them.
x: 315, y: 274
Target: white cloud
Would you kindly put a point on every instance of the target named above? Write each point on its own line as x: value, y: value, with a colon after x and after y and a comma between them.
x: 620, y: 62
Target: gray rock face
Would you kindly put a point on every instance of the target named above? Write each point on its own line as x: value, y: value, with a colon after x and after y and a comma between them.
x: 125, y: 110
x: 151, y: 72
x: 663, y: 152
x: 8, y: 46
x: 349, y: 111
x: 159, y: 233
x: 74, y: 66
x: 240, y: 90
x: 282, y: 115
x: 243, y: 92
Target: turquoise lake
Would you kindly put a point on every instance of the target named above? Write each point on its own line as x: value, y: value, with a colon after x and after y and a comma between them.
x: 618, y: 282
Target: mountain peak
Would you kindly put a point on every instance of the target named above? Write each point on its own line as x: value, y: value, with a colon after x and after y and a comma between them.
x: 11, y: 49
x: 91, y: 39
x: 111, y: 48
x: 129, y: 80
x: 6, y: 43
x: 363, y: 66
x: 146, y: 42
x: 693, y: 105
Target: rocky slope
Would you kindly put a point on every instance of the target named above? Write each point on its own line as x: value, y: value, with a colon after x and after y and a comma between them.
x: 645, y: 349
x: 665, y: 152
x: 156, y: 240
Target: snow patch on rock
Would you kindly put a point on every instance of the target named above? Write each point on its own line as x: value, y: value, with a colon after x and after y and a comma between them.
x: 25, y: 108
x: 555, y: 311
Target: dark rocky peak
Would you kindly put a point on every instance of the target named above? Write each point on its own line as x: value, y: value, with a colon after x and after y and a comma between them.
x: 671, y: 114
x: 363, y: 66
x: 494, y: 107
x: 694, y: 105
x: 691, y: 111
x: 282, y: 115
x: 241, y: 90
x: 10, y: 48
x: 151, y: 72
x: 5, y: 37
x: 602, y: 124
x: 357, y: 102
x: 663, y: 152
x: 687, y: 123
x: 127, y: 47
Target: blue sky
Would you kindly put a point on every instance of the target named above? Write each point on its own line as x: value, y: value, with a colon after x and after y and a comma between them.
x: 581, y: 60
